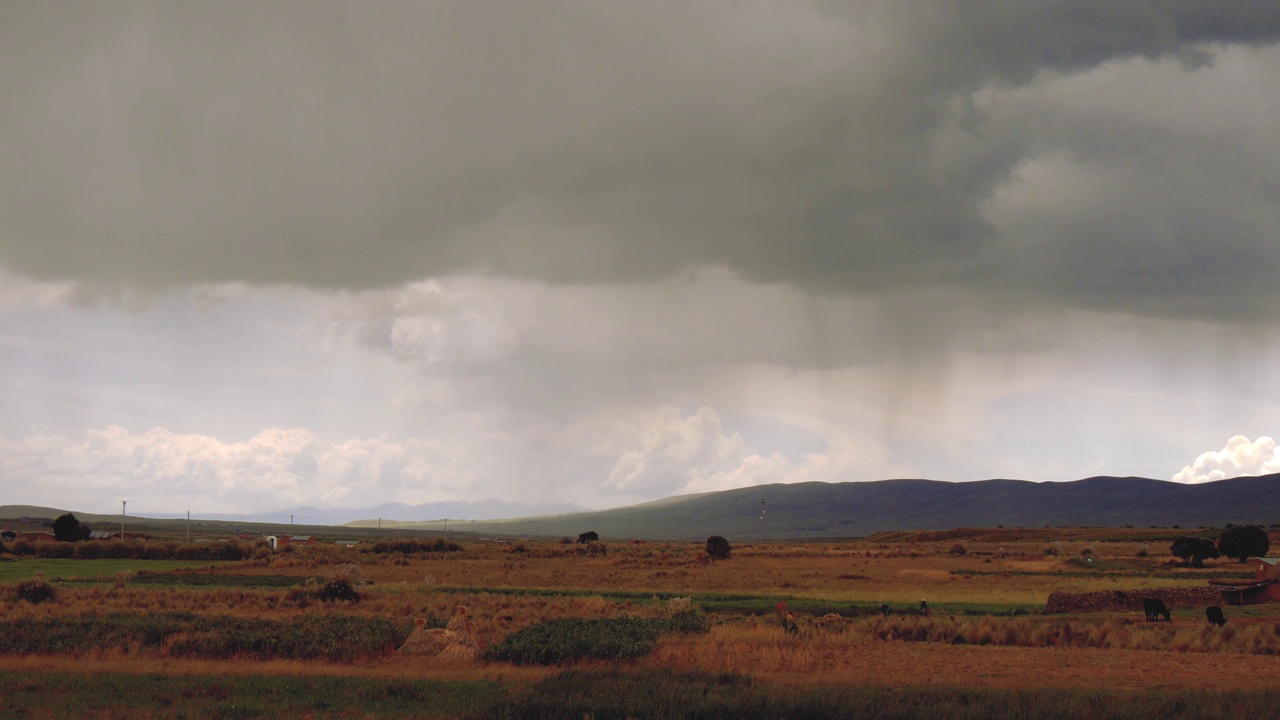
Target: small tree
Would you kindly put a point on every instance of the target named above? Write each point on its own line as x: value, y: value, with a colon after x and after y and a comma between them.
x: 68, y: 529
x: 1194, y: 549
x: 718, y: 548
x: 589, y: 536
x: 1244, y: 542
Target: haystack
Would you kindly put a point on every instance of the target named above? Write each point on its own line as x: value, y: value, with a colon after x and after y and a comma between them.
x: 455, y: 643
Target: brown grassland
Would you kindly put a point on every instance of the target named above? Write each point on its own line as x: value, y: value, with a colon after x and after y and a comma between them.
x: 786, y: 614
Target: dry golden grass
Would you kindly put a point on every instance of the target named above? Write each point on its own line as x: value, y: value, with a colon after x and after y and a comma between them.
x: 998, y: 567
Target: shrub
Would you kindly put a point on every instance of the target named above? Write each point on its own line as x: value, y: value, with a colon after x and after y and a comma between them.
x: 35, y: 591
x: 68, y: 529
x: 588, y: 537
x: 1051, y: 551
x: 690, y: 622
x: 1244, y: 542
x: 328, y: 637
x: 718, y: 548
x: 563, y: 639
x: 1194, y: 549
x: 23, y: 547
x: 958, y: 550
x: 338, y: 589
x: 416, y: 546
x: 56, y: 550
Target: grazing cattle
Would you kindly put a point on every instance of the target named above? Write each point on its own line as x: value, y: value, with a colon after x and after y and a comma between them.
x: 1154, y: 608
x: 1214, y: 615
x: 924, y: 608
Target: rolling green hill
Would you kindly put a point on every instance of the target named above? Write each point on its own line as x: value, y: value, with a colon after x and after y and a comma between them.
x: 858, y: 509
x: 827, y: 510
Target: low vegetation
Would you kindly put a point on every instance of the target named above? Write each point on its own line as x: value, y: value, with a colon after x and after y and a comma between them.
x: 634, y: 629
x: 414, y: 547
x: 553, y: 642
x: 335, y: 638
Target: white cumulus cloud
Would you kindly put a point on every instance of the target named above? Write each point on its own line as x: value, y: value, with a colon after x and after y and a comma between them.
x: 1241, y: 456
x: 160, y: 470
x: 658, y: 450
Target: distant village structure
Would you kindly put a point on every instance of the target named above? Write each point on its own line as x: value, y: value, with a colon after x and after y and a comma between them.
x: 1265, y: 586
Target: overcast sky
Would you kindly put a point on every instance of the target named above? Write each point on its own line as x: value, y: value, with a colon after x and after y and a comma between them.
x: 262, y: 254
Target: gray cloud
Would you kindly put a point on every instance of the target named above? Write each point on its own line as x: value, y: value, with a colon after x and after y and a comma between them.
x: 835, y: 147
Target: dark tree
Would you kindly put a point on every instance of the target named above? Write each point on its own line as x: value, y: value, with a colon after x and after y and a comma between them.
x: 1194, y: 549
x: 1244, y: 542
x: 8, y: 535
x: 589, y: 536
x: 68, y: 529
x: 718, y: 548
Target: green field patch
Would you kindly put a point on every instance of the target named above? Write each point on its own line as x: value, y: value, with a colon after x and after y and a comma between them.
x: 567, y: 639
x: 619, y: 694
x: 335, y: 638
x: 68, y: 569
x: 752, y: 604
x: 190, y: 579
x: 599, y: 694
x: 152, y: 696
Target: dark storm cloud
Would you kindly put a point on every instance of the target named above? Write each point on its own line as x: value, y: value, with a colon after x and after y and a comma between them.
x: 831, y: 146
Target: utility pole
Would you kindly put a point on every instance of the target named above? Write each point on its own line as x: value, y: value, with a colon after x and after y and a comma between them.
x: 123, y: 505
x: 290, y: 520
x: 188, y: 526
x: 761, y: 519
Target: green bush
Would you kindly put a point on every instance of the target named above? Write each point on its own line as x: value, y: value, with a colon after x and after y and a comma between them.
x: 718, y: 548
x: 615, y: 694
x: 693, y: 622
x: 339, y: 589
x: 34, y: 591
x: 566, y: 639
x: 409, y: 546
x: 325, y: 637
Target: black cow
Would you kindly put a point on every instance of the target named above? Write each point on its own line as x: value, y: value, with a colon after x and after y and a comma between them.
x: 1154, y: 608
x: 1214, y: 615
x: 884, y: 609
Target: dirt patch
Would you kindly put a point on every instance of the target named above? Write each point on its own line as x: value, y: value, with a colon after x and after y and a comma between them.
x: 1119, y: 600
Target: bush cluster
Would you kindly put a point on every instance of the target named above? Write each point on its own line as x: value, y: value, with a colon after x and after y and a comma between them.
x: 33, y: 591
x: 409, y: 546
x: 675, y: 695
x: 324, y: 637
x: 566, y: 639
x: 338, y: 589
x: 130, y: 550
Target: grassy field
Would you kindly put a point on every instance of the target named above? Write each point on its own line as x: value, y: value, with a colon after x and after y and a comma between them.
x: 543, y: 629
x: 13, y: 569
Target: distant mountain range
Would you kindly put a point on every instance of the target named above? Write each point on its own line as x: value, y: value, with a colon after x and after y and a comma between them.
x: 823, y: 510
x: 398, y: 512
x: 306, y: 515
x: 813, y: 510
